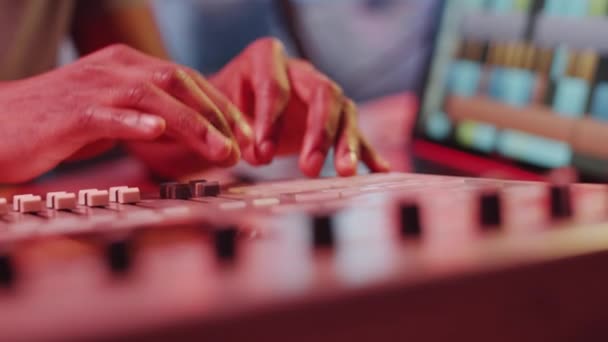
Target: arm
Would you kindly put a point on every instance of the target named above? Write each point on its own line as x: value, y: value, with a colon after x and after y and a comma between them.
x: 98, y: 24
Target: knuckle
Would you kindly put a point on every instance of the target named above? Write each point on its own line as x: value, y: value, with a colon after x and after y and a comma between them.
x: 91, y: 118
x: 134, y: 95
x: 89, y: 69
x: 169, y: 77
x: 87, y: 116
x: 119, y: 117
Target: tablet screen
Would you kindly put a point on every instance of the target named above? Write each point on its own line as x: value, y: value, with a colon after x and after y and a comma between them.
x: 509, y: 60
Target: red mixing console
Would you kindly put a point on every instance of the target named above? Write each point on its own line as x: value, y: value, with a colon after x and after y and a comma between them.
x: 369, y: 258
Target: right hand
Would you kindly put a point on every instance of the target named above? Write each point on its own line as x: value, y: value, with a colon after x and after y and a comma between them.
x: 113, y: 94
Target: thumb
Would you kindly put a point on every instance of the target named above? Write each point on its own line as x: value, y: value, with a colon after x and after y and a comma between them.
x: 123, y: 124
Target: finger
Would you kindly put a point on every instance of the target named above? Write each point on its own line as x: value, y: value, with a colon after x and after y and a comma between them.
x: 271, y: 89
x: 250, y: 157
x: 116, y: 123
x: 183, y: 123
x: 235, y: 118
x: 178, y: 83
x: 371, y: 158
x: 346, y: 151
x: 322, y: 126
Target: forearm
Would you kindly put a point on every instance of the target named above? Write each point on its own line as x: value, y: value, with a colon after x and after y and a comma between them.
x: 134, y: 26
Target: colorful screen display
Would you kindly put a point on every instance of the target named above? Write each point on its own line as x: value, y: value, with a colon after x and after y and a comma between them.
x: 524, y: 54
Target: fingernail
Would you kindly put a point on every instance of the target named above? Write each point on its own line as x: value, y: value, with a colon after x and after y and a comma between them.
x: 150, y: 123
x: 220, y: 147
x: 266, y: 151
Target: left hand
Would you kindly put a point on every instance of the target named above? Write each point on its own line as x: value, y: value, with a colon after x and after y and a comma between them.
x: 293, y: 108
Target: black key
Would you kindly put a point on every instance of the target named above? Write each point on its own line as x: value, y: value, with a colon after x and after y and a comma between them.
x: 180, y: 191
x: 118, y: 254
x: 409, y: 217
x: 560, y: 201
x: 225, y: 241
x: 490, y: 210
x: 166, y: 189
x: 7, y: 271
x: 196, y: 186
x: 205, y: 189
x: 211, y: 189
x: 323, y: 231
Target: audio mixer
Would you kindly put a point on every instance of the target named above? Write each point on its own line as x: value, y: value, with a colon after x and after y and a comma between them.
x: 374, y: 257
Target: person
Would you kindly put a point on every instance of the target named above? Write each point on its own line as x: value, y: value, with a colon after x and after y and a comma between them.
x: 371, y: 48
x: 260, y: 105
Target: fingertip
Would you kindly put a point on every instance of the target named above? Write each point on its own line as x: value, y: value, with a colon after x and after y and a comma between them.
x: 220, y: 147
x: 346, y: 165
x: 311, y: 165
x: 265, y: 151
x: 249, y: 155
x: 233, y: 158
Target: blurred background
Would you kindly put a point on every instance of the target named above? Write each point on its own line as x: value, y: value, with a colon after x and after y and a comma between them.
x: 370, y: 47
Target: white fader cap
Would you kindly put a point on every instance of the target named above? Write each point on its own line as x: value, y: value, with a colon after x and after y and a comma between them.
x: 93, y: 197
x: 27, y: 203
x: 61, y: 200
x: 124, y: 195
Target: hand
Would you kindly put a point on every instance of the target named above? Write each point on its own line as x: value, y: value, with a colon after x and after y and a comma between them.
x: 114, y: 94
x: 294, y: 108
